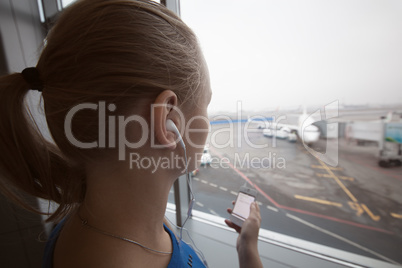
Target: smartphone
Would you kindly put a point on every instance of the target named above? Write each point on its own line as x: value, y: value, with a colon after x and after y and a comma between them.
x: 241, y: 209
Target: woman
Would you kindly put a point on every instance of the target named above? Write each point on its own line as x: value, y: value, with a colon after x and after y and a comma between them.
x: 112, y: 75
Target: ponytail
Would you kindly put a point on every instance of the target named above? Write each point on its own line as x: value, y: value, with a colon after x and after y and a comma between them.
x: 28, y: 163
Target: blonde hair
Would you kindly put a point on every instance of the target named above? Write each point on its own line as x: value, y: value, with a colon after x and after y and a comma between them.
x: 119, y: 51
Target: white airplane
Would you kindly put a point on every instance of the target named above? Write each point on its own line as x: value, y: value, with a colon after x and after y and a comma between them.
x: 307, y: 132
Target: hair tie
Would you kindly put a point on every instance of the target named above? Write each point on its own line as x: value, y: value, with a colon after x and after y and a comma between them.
x: 31, y: 76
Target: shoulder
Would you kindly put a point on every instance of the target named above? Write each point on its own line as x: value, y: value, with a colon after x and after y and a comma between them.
x: 50, y: 245
x: 183, y: 254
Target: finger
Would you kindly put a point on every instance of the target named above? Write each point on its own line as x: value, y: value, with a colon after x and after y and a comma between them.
x: 233, y: 202
x: 255, y: 212
x: 255, y: 206
x: 229, y: 210
x: 232, y: 225
x: 254, y: 209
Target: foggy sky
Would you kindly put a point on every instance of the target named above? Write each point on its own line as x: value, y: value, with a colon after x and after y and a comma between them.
x: 288, y: 53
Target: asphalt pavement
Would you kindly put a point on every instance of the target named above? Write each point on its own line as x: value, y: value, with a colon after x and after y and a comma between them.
x: 355, y: 206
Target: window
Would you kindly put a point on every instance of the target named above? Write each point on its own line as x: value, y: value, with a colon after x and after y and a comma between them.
x: 65, y: 3
x: 325, y: 72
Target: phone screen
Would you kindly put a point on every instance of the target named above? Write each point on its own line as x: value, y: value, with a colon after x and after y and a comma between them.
x: 242, y: 205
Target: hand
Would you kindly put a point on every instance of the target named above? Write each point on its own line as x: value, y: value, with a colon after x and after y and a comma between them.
x: 248, y: 234
x: 247, y: 242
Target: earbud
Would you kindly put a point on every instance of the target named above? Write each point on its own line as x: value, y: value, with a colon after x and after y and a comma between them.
x: 172, y: 127
x: 190, y: 207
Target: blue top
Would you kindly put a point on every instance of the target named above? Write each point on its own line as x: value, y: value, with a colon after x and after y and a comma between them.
x: 182, y: 256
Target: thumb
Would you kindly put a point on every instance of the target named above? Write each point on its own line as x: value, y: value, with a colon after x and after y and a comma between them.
x: 256, y: 206
x: 254, y: 209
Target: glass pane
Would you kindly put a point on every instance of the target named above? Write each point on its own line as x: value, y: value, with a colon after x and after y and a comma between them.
x: 303, y: 93
x: 65, y: 3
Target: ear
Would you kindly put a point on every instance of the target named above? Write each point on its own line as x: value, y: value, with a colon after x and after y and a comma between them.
x: 163, y: 109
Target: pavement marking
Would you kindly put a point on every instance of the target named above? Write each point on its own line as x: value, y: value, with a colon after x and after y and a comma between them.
x: 200, y: 204
x: 329, y: 176
x: 233, y: 193
x: 340, y: 238
x: 326, y: 167
x: 355, y: 206
x: 398, y: 216
x: 213, y: 212
x: 361, y: 208
x: 316, y: 200
x: 347, y: 178
x: 372, y: 216
x: 318, y: 215
x: 323, y: 175
x: 272, y: 208
x: 259, y: 203
x: 171, y: 191
x: 351, y: 196
x: 204, y: 181
x: 213, y: 184
x: 196, y: 179
x: 336, y: 219
x: 248, y: 180
x: 223, y: 188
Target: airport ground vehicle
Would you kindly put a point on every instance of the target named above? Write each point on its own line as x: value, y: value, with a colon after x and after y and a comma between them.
x: 388, y: 136
x: 267, y: 132
x: 390, y: 145
x: 292, y: 137
x: 206, y: 157
x: 280, y: 133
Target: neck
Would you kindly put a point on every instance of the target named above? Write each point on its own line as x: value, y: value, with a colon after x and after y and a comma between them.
x: 130, y: 204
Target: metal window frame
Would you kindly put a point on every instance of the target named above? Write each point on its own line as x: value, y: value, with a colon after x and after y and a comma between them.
x: 180, y: 187
x: 173, y: 5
